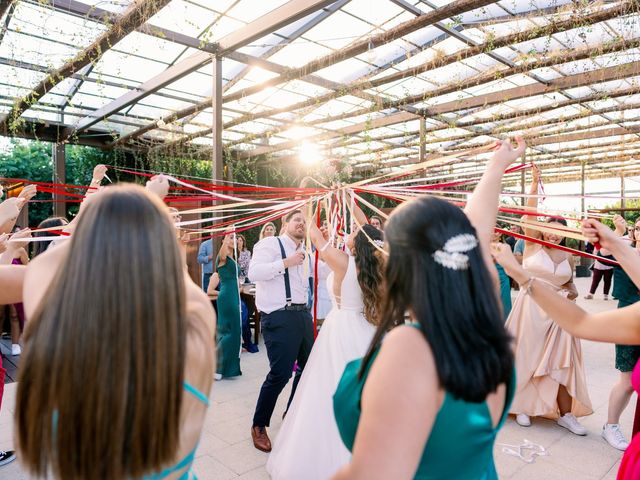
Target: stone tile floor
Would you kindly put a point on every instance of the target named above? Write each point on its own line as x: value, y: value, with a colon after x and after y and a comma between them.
x: 226, y: 451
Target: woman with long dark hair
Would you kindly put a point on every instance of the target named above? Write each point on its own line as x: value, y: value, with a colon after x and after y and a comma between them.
x: 118, y: 352
x: 308, y: 445
x: 550, y: 370
x: 39, y: 247
x: 427, y: 402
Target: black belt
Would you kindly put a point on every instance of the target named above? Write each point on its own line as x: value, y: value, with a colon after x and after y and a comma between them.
x: 296, y: 307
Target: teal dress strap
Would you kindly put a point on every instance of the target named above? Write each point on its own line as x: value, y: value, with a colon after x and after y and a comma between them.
x: 196, y: 393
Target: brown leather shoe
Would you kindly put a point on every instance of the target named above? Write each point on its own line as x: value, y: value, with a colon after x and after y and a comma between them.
x: 261, y: 439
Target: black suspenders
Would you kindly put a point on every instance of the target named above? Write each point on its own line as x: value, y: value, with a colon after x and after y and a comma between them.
x: 287, y: 284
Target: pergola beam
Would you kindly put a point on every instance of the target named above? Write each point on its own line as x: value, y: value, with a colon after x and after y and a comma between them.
x: 490, y: 76
x: 537, y: 32
x: 570, y: 137
x: 136, y: 15
x: 516, y: 114
x: 360, y: 127
x: 268, y: 23
x: 571, y: 81
x: 455, y: 8
x: 504, y: 129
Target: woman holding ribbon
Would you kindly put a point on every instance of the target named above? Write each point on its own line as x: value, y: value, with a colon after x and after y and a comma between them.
x: 308, y: 445
x: 229, y: 315
x: 620, y: 326
x: 429, y: 397
x: 118, y: 351
x: 550, y: 369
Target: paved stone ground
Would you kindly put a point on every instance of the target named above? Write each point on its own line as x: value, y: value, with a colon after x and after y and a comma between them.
x: 226, y: 451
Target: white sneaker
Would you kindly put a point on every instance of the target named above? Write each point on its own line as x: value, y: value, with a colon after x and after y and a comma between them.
x: 523, y: 420
x: 588, y: 297
x: 571, y: 423
x: 217, y: 376
x: 15, y: 349
x: 606, y: 297
x: 614, y: 437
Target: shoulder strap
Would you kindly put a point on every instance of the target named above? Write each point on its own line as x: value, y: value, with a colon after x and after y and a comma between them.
x: 287, y: 283
x: 196, y: 393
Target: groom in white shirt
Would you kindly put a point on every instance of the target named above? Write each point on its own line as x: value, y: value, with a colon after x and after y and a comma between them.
x: 277, y: 268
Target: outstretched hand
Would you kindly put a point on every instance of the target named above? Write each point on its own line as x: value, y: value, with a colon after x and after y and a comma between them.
x: 158, y: 185
x: 28, y: 192
x: 598, y: 233
x: 99, y: 171
x: 620, y: 224
x: 535, y: 173
x: 10, y: 209
x: 505, y: 154
x: 19, y: 240
x: 502, y: 254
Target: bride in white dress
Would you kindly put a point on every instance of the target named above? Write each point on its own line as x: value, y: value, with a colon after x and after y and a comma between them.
x: 308, y: 445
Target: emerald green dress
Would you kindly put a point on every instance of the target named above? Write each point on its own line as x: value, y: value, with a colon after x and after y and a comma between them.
x: 460, y: 446
x: 505, y: 291
x: 229, y: 320
x: 627, y: 294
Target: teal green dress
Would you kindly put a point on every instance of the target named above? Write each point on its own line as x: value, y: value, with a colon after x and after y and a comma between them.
x: 460, y: 446
x: 505, y: 290
x: 229, y: 320
x: 627, y: 294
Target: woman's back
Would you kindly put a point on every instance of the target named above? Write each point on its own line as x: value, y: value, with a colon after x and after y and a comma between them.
x: 461, y: 429
x: 123, y: 386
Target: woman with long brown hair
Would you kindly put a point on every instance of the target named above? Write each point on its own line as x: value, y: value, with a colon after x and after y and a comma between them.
x: 356, y: 285
x: 118, y: 352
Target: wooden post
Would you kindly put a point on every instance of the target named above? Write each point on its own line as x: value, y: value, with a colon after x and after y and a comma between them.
x: 523, y: 178
x: 622, y: 200
x: 59, y: 176
x: 423, y: 134
x: 582, y: 186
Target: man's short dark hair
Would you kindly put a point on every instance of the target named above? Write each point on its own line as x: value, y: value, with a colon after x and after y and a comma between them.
x: 290, y: 215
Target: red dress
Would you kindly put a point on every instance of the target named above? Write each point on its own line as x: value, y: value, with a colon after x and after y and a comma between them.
x: 630, y: 464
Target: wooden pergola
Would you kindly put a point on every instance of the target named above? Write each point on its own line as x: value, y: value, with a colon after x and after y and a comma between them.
x: 382, y: 83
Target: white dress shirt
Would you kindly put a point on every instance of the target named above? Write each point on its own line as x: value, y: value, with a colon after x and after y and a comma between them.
x: 267, y: 271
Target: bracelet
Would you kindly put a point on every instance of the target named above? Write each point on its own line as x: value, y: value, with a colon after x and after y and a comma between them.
x: 326, y: 245
x: 527, y: 285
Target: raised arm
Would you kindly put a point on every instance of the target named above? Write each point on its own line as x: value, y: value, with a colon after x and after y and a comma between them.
x: 621, y: 326
x: 9, y: 211
x: 532, y: 202
x: 337, y: 260
x: 16, y: 242
x: 482, y: 207
x: 11, y: 207
x: 99, y: 172
x: 359, y: 215
x: 626, y: 256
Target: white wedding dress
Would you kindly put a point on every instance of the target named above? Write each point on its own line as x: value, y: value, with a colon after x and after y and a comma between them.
x: 308, y: 446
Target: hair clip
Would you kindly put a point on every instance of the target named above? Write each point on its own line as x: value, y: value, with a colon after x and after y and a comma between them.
x: 452, y: 255
x: 378, y: 243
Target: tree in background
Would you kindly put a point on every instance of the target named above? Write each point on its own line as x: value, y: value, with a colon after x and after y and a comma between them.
x: 631, y: 217
x: 31, y: 160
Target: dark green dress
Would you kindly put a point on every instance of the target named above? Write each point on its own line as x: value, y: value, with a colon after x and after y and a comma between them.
x: 505, y: 291
x: 627, y: 294
x: 460, y: 446
x: 229, y: 320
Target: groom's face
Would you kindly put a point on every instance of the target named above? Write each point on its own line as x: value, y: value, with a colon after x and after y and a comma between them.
x: 296, y: 227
